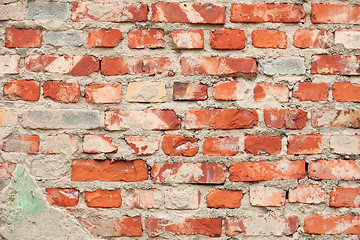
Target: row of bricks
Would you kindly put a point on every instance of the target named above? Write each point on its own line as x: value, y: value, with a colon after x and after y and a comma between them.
x: 175, y: 145
x: 213, y: 66
x: 210, y: 173
x: 116, y: 120
x: 259, y: 196
x: 181, y: 12
x: 29, y: 90
x: 191, y: 39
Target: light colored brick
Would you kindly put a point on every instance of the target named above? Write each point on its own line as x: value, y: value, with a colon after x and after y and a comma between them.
x: 146, y: 92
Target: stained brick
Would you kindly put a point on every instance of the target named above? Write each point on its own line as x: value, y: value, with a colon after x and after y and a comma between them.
x: 269, y: 91
x: 307, y: 194
x: 286, y: 13
x: 191, y: 39
x: 311, y: 38
x: 143, y: 145
x: 267, y: 196
x: 285, y: 118
x: 151, y: 38
x: 103, y: 93
x: 335, y: 13
x: 104, y: 38
x: 21, y: 143
x: 179, y: 145
x: 262, y: 144
x: 189, y: 91
x: 308, y: 91
x: 304, y: 144
x: 106, y: 171
x: 346, y: 224
x: 345, y: 197
x: 187, y: 13
x: 66, y: 197
x: 62, y: 91
x: 27, y: 90
x: 262, y: 171
x: 336, y: 118
x: 335, y: 65
x: 103, y: 198
x: 23, y: 38
x: 225, y: 146
x: 334, y: 169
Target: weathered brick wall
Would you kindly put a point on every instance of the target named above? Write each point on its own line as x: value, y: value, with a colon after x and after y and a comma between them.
x: 180, y: 120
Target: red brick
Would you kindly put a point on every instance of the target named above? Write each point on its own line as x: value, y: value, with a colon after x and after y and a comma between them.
x: 262, y: 171
x: 269, y: 39
x: 224, y: 199
x: 346, y: 92
x: 231, y: 90
x: 307, y: 194
x: 263, y: 226
x: 21, y: 143
x: 336, y: 118
x: 267, y: 196
x: 345, y: 197
x: 221, y: 119
x: 23, y: 38
x: 62, y: 197
x: 143, y: 198
x: 191, y: 39
x: 285, y: 118
x: 287, y: 13
x: 72, y: 65
x: 60, y: 143
x: 145, y: 66
x: 124, y: 226
x: 26, y: 90
x: 188, y: 226
x: 97, y: 143
x: 146, y: 119
x: 62, y: 91
x: 227, y: 39
x: 219, y: 66
x: 335, y: 65
x: 151, y: 38
x: 143, y: 145
x: 304, y: 144
x: 115, y: 66
x: 115, y: 12
x: 202, y: 173
x: 187, y: 13
x: 311, y: 38
x: 103, y: 198
x: 345, y: 224
x: 263, y: 145
x: 308, y: 91
x: 334, y: 169
x: 6, y: 170
x: 103, y: 93
x: 179, y: 145
x: 189, y: 91
x: 224, y: 146
x: 108, y: 171
x: 335, y: 13
x: 269, y: 91
x: 104, y: 37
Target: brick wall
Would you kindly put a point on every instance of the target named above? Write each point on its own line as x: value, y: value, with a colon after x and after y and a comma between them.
x: 154, y: 119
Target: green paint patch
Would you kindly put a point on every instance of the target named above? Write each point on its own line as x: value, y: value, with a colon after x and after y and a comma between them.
x: 23, y: 201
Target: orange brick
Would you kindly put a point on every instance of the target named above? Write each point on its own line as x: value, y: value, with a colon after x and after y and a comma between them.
x: 308, y: 91
x: 267, y: 91
x: 26, y: 90
x: 269, y: 39
x: 262, y: 144
x: 151, y: 38
x: 103, y: 93
x: 103, y: 198
x: 345, y: 197
x: 345, y: 224
x: 262, y: 171
x: 335, y: 13
x: 23, y: 38
x: 285, y: 118
x: 224, y: 199
x: 62, y: 91
x: 346, y: 92
x: 227, y: 39
x: 66, y: 197
x: 311, y: 38
x: 334, y: 169
x: 305, y: 144
x: 104, y: 38
x: 225, y: 146
x: 179, y: 145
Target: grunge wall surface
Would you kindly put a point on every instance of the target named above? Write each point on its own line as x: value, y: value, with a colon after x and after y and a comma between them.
x: 180, y: 120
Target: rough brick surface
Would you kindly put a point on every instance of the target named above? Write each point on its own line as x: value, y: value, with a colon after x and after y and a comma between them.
x: 269, y: 39
x: 104, y: 38
x: 261, y: 226
x: 286, y: 13
x: 23, y: 38
x: 27, y: 90
x: 187, y: 13
x: 224, y: 199
x: 179, y: 119
x: 189, y: 226
x: 262, y: 171
x: 105, y: 171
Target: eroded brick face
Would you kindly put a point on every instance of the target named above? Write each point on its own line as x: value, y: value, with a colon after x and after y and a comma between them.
x: 179, y: 119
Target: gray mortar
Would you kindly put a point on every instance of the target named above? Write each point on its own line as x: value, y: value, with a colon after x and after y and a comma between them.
x: 47, y: 10
x: 62, y: 38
